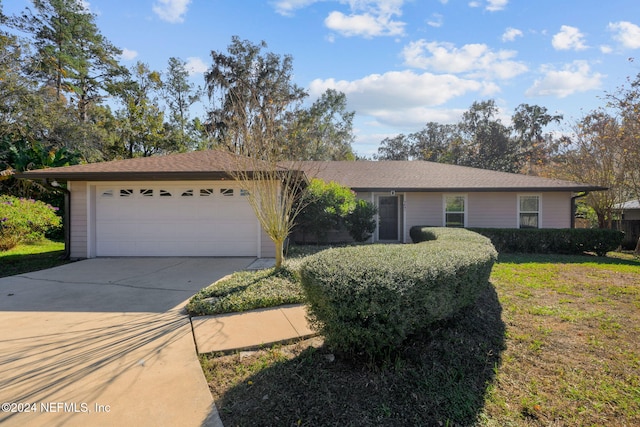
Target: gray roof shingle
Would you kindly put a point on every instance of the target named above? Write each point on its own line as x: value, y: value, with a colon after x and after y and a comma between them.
x: 359, y: 175
x: 429, y: 176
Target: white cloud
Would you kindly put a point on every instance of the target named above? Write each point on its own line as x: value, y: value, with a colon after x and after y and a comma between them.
x: 472, y: 59
x: 365, y: 25
x: 377, y: 94
x: 172, y: 11
x: 606, y: 49
x: 491, y: 5
x: 435, y: 21
x: 128, y: 54
x: 417, y: 117
x: 195, y: 65
x: 495, y: 5
x: 572, y: 78
x: 368, y: 18
x: 402, y: 99
x: 569, y: 38
x: 626, y: 33
x: 510, y: 34
x: 287, y: 7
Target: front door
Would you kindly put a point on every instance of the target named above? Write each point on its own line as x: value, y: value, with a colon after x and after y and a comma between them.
x: 388, y: 218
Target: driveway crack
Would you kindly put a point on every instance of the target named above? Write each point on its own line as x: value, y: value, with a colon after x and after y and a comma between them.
x: 124, y: 285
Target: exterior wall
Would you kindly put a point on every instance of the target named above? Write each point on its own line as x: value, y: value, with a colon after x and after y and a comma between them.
x: 492, y: 210
x: 422, y: 209
x: 487, y: 210
x: 556, y: 210
x: 79, y: 218
x: 267, y: 247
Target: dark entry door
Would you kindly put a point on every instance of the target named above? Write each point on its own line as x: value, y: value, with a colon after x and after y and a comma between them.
x: 388, y: 216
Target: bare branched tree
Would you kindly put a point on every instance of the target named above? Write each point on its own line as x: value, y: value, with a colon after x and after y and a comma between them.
x: 254, y: 98
x: 274, y: 188
x: 273, y: 191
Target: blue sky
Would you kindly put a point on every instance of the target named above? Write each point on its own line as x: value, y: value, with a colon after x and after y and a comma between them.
x: 401, y: 63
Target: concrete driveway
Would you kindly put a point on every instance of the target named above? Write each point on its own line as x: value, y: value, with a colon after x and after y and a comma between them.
x: 105, y: 342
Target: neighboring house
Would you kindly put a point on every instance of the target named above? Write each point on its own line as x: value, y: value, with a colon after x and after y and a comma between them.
x: 629, y: 214
x: 188, y: 205
x: 629, y: 211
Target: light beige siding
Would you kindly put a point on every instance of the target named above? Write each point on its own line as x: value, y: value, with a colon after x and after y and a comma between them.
x: 487, y: 210
x: 492, y: 210
x: 556, y: 210
x: 78, y: 217
x: 422, y: 209
x: 267, y: 247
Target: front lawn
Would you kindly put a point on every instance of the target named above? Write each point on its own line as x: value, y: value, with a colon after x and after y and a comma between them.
x: 249, y: 290
x: 553, y: 342
x: 31, y: 257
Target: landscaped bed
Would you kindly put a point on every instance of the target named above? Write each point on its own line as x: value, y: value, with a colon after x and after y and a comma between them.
x: 248, y: 290
x: 553, y: 342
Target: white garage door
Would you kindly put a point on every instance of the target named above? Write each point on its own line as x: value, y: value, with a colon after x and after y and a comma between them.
x: 174, y: 220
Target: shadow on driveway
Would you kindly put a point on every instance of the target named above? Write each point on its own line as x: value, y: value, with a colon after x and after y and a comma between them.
x: 105, y: 342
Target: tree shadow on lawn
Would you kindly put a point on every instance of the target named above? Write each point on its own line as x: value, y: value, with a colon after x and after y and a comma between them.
x: 440, y: 377
x: 26, y: 263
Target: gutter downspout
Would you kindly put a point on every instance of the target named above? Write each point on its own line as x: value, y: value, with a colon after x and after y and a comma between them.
x: 573, y: 207
x: 66, y: 219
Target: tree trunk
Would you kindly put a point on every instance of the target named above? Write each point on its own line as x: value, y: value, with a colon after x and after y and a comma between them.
x: 279, y: 253
x: 638, y: 247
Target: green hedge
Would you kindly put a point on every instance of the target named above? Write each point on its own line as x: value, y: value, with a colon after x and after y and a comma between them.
x: 366, y: 300
x: 25, y: 221
x: 573, y: 241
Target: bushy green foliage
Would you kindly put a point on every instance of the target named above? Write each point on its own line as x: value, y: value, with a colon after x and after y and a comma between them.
x: 361, y: 221
x: 366, y: 300
x: 326, y: 204
x: 331, y: 206
x: 421, y: 233
x: 571, y: 241
x: 24, y: 221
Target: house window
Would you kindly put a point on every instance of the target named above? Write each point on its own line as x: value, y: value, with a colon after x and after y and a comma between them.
x: 165, y: 193
x: 206, y: 192
x: 227, y: 192
x: 244, y: 192
x: 146, y: 192
x: 107, y: 193
x: 126, y: 192
x: 455, y: 210
x: 529, y: 211
x: 187, y: 193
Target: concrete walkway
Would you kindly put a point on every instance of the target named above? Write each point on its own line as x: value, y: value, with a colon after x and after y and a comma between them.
x: 105, y: 342
x: 250, y: 330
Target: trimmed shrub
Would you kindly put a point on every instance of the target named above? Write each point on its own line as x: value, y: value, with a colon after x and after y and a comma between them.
x: 566, y: 241
x: 361, y: 221
x: 25, y: 221
x: 325, y: 206
x: 330, y: 209
x: 569, y: 241
x: 366, y: 300
x: 421, y: 234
